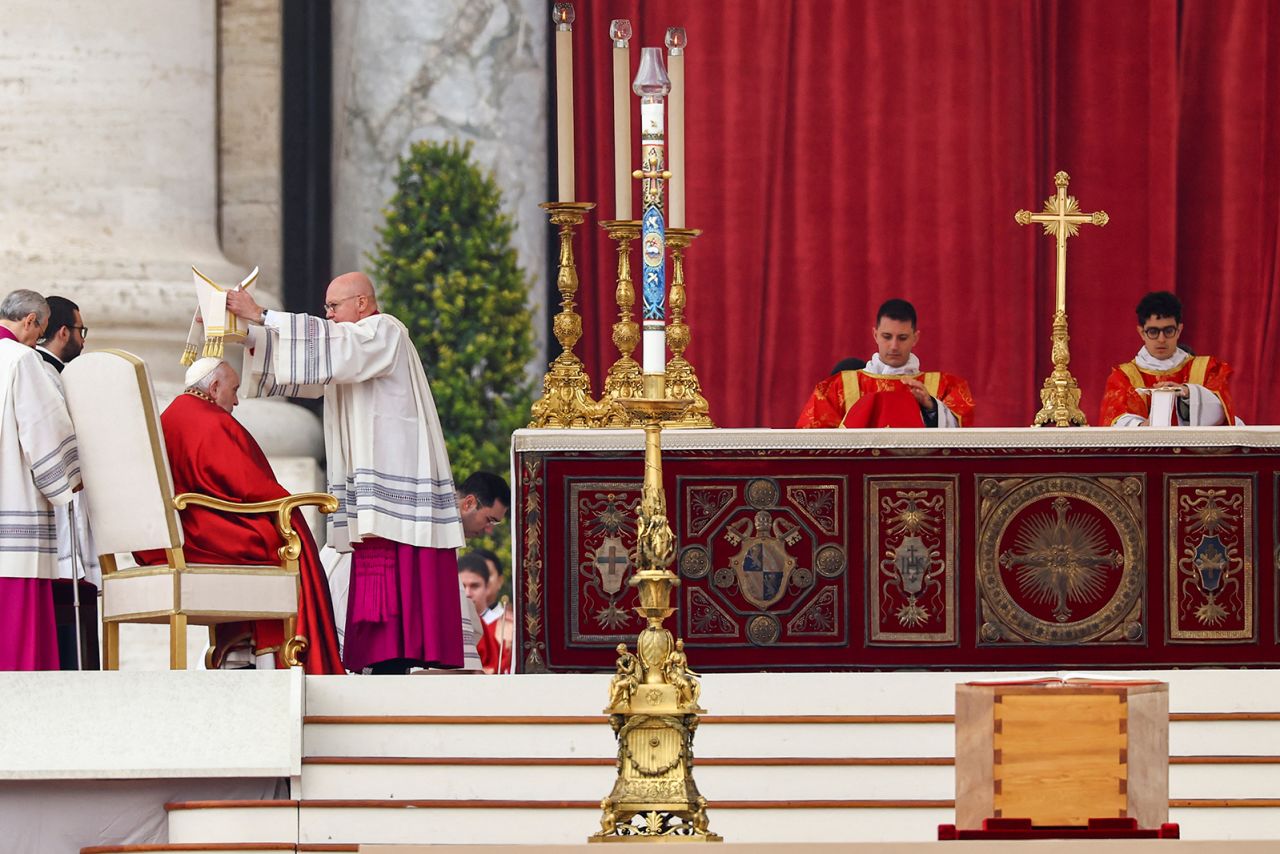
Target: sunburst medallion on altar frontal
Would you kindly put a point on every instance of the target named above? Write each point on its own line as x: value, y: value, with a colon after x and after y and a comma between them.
x: 1061, y: 560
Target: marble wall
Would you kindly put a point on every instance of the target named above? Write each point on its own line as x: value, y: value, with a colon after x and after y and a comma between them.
x: 471, y: 70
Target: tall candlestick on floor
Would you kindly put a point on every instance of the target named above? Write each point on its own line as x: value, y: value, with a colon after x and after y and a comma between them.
x: 652, y: 85
x: 562, y: 15
x: 676, y: 42
x: 620, y: 34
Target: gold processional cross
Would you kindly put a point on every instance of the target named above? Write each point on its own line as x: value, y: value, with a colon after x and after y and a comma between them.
x: 1061, y: 217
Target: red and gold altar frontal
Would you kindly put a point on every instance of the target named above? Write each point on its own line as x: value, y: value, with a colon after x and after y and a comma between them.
x: 865, y: 549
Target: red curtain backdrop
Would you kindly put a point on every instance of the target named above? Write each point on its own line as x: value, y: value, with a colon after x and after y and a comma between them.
x: 844, y: 152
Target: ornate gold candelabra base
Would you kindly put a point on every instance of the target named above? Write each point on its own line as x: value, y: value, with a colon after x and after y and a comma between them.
x: 653, y: 699
x: 566, y: 389
x: 682, y: 380
x: 1060, y: 396
x: 623, y: 379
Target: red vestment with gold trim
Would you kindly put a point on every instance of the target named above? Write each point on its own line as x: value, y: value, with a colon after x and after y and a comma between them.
x: 1121, y: 396
x: 850, y: 396
x: 211, y: 453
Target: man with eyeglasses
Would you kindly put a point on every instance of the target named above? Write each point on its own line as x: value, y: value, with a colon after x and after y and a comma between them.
x: 64, y: 336
x: 387, y: 466
x: 63, y: 341
x: 1203, y: 398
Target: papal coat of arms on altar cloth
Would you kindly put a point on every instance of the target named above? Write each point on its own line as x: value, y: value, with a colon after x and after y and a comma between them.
x: 762, y: 565
x: 762, y: 561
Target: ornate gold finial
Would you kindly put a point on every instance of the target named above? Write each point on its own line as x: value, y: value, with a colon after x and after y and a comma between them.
x: 566, y: 389
x: 1061, y: 218
x: 654, y: 696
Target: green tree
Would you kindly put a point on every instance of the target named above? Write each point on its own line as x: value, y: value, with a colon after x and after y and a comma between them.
x: 445, y: 266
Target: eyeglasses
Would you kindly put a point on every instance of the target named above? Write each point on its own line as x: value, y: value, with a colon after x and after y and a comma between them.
x: 333, y: 306
x: 83, y: 330
x: 1154, y: 332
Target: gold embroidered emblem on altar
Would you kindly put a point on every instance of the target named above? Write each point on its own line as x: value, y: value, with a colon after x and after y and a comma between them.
x: 911, y: 566
x: 1210, y: 557
x: 1061, y: 560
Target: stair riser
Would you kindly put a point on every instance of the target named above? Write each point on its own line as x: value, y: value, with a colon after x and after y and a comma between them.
x: 1226, y: 738
x: 570, y: 740
x: 234, y: 824
x: 729, y: 783
x: 717, y: 782
x: 441, y: 826
x: 925, y: 693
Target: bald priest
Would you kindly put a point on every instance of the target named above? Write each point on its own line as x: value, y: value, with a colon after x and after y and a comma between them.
x: 210, y: 452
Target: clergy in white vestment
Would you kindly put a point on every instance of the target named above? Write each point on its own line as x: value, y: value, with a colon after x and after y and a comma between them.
x: 62, y: 342
x: 39, y: 470
x: 387, y: 466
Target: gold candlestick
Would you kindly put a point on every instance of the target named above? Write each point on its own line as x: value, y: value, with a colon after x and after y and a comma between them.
x: 566, y: 389
x: 682, y: 380
x: 1062, y: 218
x: 623, y: 379
x: 654, y: 697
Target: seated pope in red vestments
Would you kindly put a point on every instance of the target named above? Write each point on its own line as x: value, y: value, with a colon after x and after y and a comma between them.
x: 891, y: 391
x: 1201, y: 382
x: 211, y: 453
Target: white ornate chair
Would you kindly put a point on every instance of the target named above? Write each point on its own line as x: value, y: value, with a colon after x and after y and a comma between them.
x: 130, y: 498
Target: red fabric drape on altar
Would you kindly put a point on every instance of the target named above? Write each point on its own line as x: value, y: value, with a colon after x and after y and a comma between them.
x: 844, y: 152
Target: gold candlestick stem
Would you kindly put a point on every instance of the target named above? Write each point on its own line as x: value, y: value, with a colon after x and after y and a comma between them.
x: 566, y: 389
x: 654, y: 696
x: 682, y: 380
x: 623, y: 379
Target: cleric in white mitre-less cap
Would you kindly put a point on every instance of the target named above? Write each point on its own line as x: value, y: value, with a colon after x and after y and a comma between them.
x: 39, y: 470
x: 387, y: 466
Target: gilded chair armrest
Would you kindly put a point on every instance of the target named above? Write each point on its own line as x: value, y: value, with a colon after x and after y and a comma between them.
x: 282, y: 507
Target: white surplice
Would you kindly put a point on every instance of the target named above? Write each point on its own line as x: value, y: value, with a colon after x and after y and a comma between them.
x: 1205, y: 408
x: 39, y: 463
x: 946, y: 418
x: 387, y: 463
x: 88, y: 567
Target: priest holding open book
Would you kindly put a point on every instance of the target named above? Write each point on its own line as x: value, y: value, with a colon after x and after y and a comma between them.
x: 891, y: 391
x: 1197, y: 384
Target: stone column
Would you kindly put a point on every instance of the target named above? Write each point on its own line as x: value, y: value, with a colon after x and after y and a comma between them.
x: 110, y: 164
x: 470, y: 70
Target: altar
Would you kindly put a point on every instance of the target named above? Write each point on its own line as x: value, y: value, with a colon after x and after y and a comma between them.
x: 874, y: 549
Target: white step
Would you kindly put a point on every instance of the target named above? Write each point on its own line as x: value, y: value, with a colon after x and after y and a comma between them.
x: 896, y: 693
x: 576, y: 782
x: 319, y: 822
x: 235, y: 821
x: 715, y: 738
x: 595, y: 738
x: 467, y: 780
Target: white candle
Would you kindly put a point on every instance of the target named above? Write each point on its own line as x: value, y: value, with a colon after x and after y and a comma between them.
x: 563, y: 16
x: 620, y: 34
x: 676, y: 41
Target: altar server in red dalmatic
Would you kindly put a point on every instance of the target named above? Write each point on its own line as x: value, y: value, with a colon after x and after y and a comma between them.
x: 891, y: 391
x: 211, y: 453
x: 1204, y: 399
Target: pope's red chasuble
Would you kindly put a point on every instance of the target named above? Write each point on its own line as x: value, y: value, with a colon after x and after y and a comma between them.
x: 861, y: 399
x: 210, y: 452
x: 1122, y: 398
